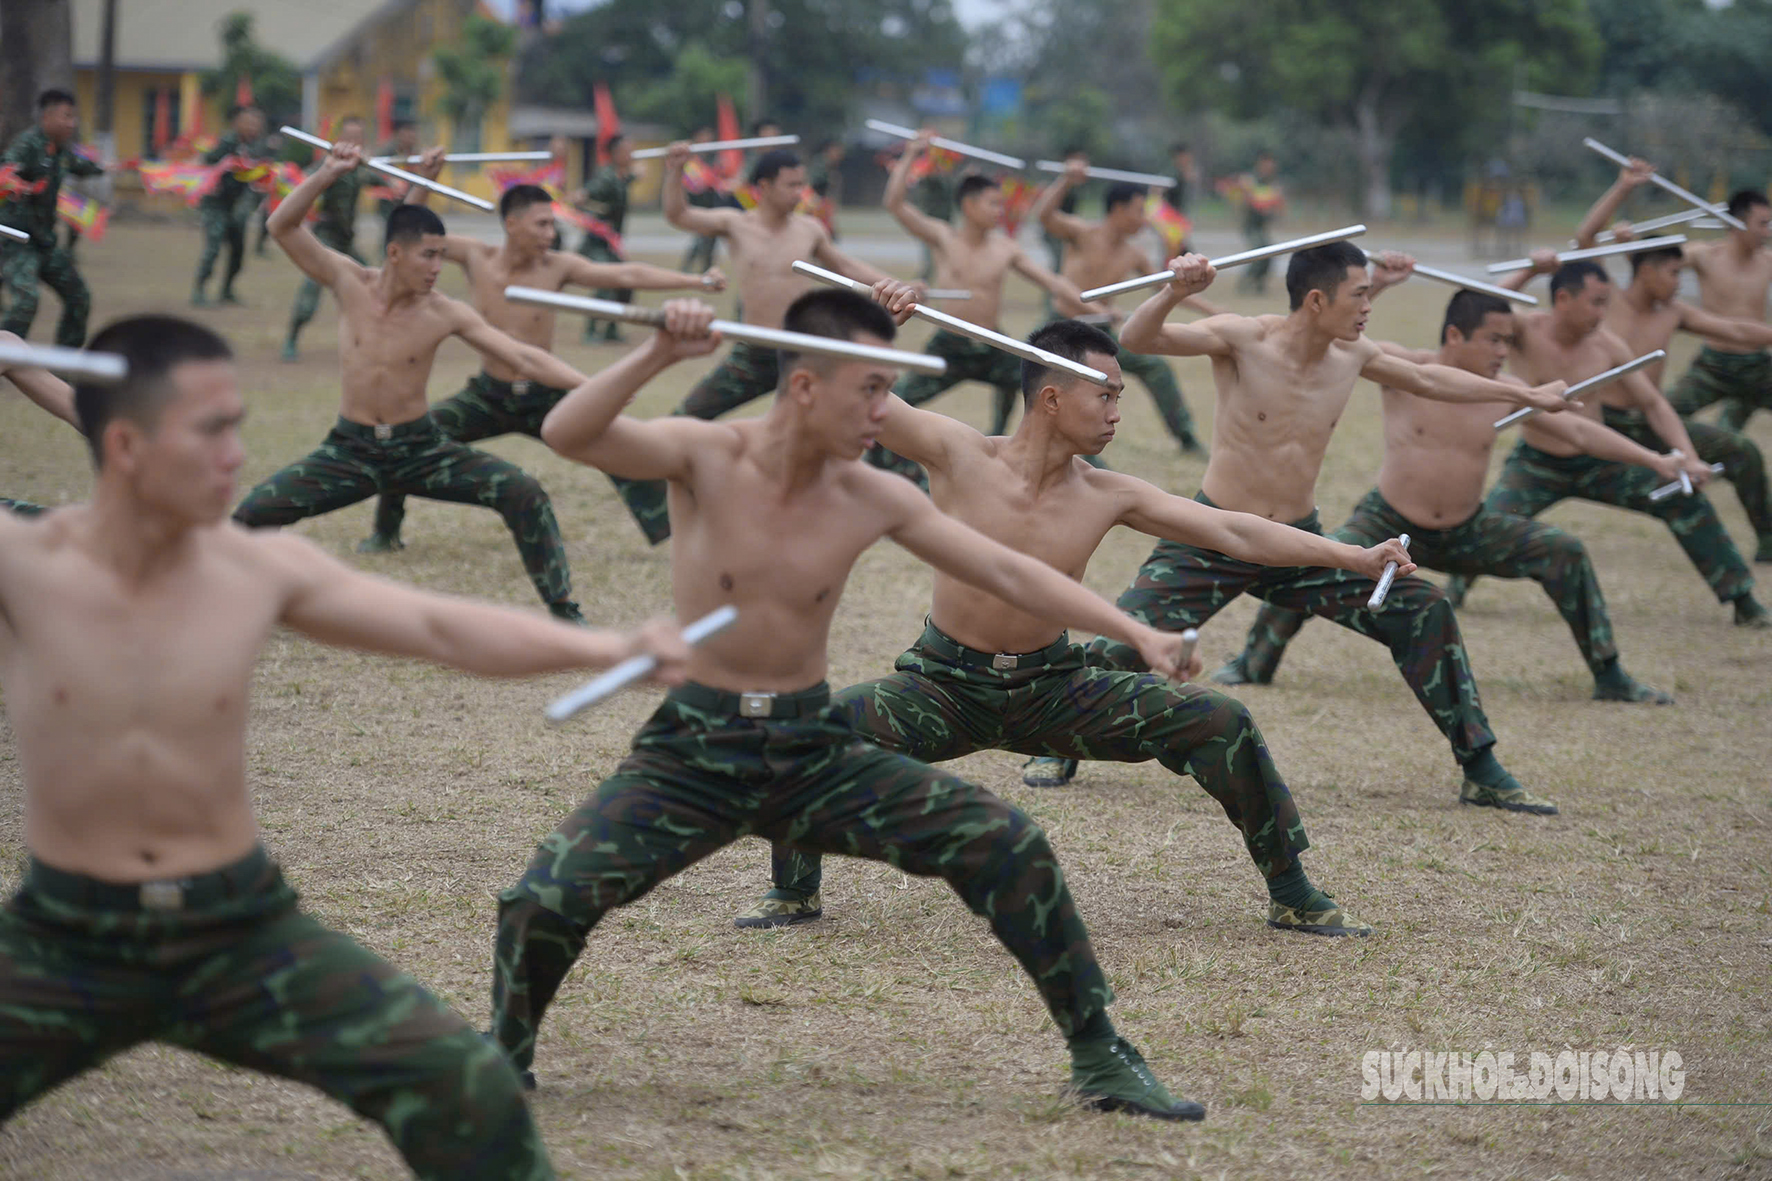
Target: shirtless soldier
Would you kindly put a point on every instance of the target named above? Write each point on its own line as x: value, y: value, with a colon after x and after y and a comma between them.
x: 1283, y: 383
x: 1569, y: 343
x: 129, y: 628
x: 47, y: 391
x: 765, y: 242
x: 975, y: 255
x: 771, y: 514
x: 1436, y: 458
x: 1733, y: 273
x: 497, y: 401
x: 985, y: 675
x: 1099, y: 253
x: 391, y: 321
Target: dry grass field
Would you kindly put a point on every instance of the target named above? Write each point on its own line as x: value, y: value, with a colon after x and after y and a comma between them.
x: 895, y: 1038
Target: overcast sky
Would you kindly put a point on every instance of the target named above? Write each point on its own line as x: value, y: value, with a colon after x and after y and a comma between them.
x: 970, y: 12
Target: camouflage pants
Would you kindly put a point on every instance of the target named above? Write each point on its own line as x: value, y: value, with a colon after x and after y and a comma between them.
x: 22, y: 266
x: 1741, y: 381
x: 1486, y: 543
x: 946, y: 700
x: 223, y: 225
x: 597, y: 248
x: 238, y: 972
x: 487, y: 408
x: 23, y: 508
x: 1182, y: 586
x: 1533, y: 480
x: 307, y: 296
x: 355, y: 462
x: 1743, y: 465
x: 1255, y: 236
x: 700, y: 777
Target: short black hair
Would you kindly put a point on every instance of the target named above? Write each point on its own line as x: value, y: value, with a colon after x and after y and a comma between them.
x: 836, y: 313
x: 1573, y: 276
x: 238, y: 109
x: 1121, y: 192
x: 971, y: 183
x: 1467, y: 310
x: 1178, y: 148
x: 1321, y: 268
x: 55, y: 97
x: 1742, y: 200
x: 1659, y: 254
x: 1071, y: 339
x: 409, y: 223
x: 609, y: 144
x: 151, y: 346
x: 770, y: 164
x: 517, y: 198
x: 757, y: 126
x: 403, y: 124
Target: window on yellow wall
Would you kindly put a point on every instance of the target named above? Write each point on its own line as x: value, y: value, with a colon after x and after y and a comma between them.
x: 152, y: 96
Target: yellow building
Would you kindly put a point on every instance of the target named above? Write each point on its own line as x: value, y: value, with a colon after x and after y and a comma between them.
x: 347, y: 51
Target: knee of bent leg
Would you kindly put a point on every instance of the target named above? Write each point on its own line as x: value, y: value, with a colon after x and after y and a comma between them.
x: 519, y: 495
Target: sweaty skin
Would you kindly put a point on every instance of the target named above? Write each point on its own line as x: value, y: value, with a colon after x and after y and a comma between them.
x: 770, y: 514
x: 1033, y: 493
x: 975, y: 255
x: 765, y: 241
x: 1283, y: 382
x: 129, y: 628
x: 391, y: 318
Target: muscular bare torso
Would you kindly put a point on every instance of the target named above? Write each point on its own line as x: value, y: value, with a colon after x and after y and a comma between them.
x: 980, y: 268
x: 1731, y: 283
x: 1275, y: 418
x: 386, y: 350
x: 1644, y: 331
x: 763, y: 258
x: 1096, y: 257
x: 490, y: 270
x: 129, y: 700
x: 1436, y: 454
x: 1539, y: 356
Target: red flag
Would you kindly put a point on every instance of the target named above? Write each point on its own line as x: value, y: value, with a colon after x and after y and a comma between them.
x: 243, y: 92
x: 727, y: 128
x: 325, y: 131
x: 384, y: 110
x: 162, y: 120
x: 608, y: 123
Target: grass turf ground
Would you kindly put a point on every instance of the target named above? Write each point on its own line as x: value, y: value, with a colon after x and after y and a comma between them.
x: 895, y: 1038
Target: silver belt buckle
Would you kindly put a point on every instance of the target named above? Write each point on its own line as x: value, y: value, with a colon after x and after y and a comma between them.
x: 1005, y: 661
x: 384, y: 431
x: 162, y: 896
x: 756, y: 705
x: 520, y: 388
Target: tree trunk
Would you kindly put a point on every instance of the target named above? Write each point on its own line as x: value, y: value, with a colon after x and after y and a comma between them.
x: 757, y: 90
x: 36, y: 53
x: 1374, y: 141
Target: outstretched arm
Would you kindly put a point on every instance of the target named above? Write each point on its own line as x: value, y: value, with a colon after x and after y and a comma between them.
x: 677, y: 209
x: 1066, y: 227
x: 1602, y: 442
x: 642, y: 276
x: 1746, y: 334
x: 288, y: 225
x: 588, y: 426
x: 41, y: 386
x: 532, y: 363
x: 1630, y: 178
x: 916, y: 223
x: 330, y: 602
x: 826, y: 254
x: 1447, y: 383
x: 958, y: 550
x: 1067, y: 297
x: 1250, y: 538
x: 1146, y: 329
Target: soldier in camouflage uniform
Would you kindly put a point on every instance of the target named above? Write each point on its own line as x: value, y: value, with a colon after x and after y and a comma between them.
x: 336, y: 229
x: 1010, y: 685
x: 1571, y: 340
x: 384, y: 440
x: 42, y: 156
x: 227, y: 208
x: 1283, y: 384
x: 149, y: 911
x: 390, y: 195
x: 1431, y: 487
x: 772, y: 515
x: 605, y: 198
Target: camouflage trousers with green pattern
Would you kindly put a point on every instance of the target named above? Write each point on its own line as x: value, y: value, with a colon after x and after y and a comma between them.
x: 23, y: 508
x: 307, y: 297
x: 413, y: 458
x: 945, y: 700
x: 227, y: 965
x: 1533, y: 480
x: 24, y: 265
x: 487, y: 408
x: 223, y: 225
x: 1743, y: 464
x: 1742, y: 382
x: 700, y: 776
x: 1487, y: 542
x: 1183, y: 586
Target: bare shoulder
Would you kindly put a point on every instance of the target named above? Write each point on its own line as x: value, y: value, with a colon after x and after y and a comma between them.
x: 891, y: 492
x: 1105, y: 482
x: 1391, y: 348
x: 1613, y: 345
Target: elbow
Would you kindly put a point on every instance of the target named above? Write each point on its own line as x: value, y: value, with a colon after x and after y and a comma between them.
x: 1136, y: 338
x: 555, y: 433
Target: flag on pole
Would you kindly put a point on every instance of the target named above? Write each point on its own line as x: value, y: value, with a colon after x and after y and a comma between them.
x: 608, y: 123
x: 243, y: 92
x: 162, y: 120
x: 731, y: 160
x: 87, y: 216
x: 384, y: 110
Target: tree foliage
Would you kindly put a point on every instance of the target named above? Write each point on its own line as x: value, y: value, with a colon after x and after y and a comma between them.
x: 275, y: 80
x: 473, y: 69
